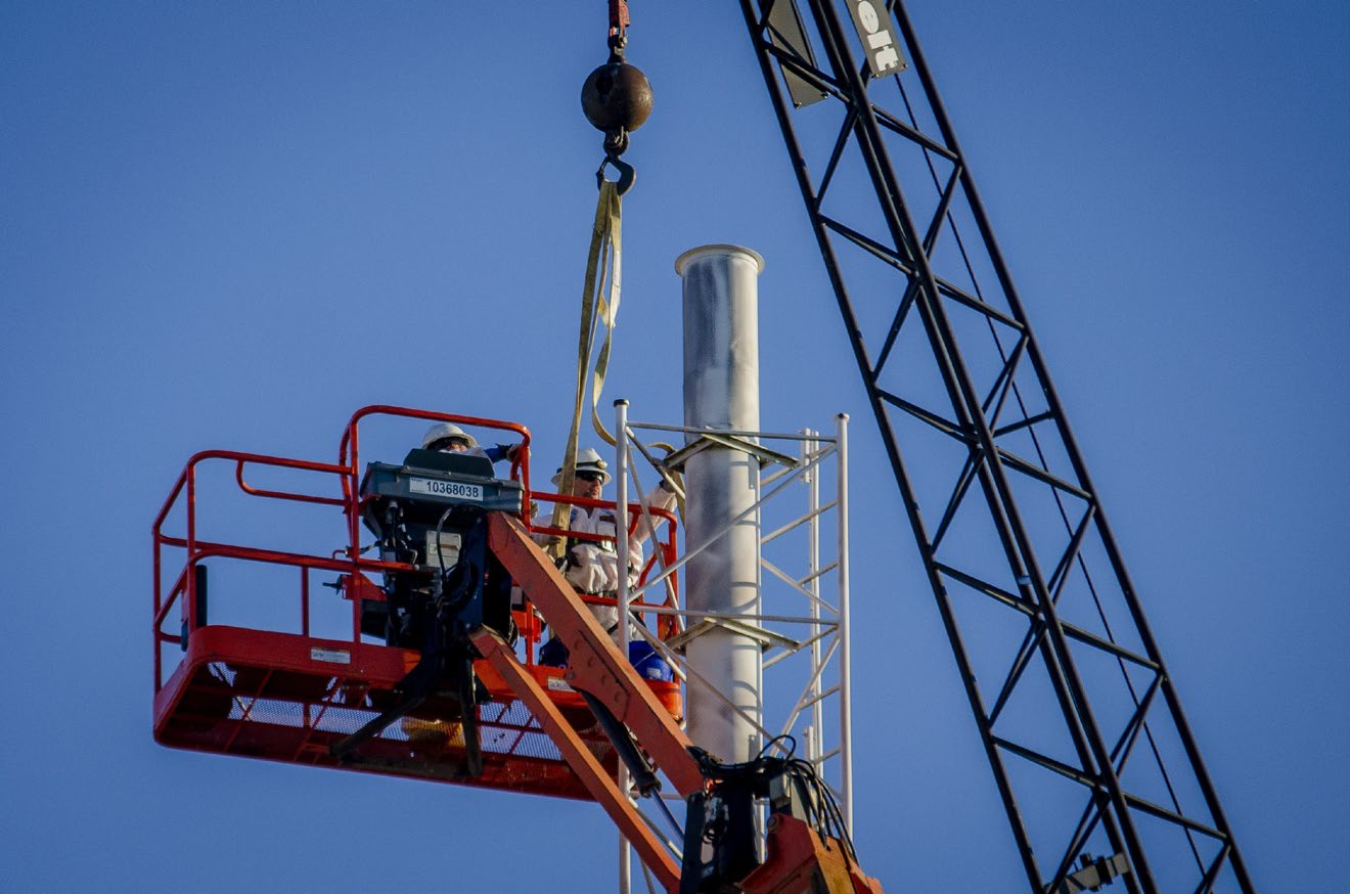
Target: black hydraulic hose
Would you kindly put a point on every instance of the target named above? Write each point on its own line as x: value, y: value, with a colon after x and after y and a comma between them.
x: 644, y: 776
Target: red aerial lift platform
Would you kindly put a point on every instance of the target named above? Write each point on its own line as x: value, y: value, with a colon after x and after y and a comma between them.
x: 291, y: 697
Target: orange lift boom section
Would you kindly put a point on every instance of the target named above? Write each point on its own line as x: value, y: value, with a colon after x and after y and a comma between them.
x: 799, y: 860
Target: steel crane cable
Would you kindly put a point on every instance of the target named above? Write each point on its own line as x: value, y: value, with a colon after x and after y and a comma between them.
x: 1027, y: 645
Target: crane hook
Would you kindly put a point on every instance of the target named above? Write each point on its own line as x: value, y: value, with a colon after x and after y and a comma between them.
x: 625, y: 171
x: 617, y: 98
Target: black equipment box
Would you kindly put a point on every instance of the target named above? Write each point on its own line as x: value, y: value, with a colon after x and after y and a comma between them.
x: 428, y: 483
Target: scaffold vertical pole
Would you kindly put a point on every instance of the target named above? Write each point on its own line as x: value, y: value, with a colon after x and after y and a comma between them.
x: 621, y: 547
x: 815, y: 744
x: 845, y: 675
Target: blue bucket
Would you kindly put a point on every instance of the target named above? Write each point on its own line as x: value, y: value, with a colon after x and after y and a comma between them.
x: 648, y: 664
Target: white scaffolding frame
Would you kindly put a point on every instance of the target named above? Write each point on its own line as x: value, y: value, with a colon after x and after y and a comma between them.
x: 804, y: 619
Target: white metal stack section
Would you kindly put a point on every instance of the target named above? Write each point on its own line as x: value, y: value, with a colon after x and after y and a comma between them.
x: 721, y: 394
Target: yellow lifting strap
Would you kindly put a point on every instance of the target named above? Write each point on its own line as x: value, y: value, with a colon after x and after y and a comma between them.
x: 599, y: 306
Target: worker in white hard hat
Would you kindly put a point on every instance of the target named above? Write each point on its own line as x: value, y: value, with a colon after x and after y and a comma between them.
x: 446, y: 437
x: 432, y: 734
x: 592, y: 566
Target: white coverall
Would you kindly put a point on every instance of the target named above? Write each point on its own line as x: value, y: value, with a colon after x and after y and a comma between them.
x: 593, y: 567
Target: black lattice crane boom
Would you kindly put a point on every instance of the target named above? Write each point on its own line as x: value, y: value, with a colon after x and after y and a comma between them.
x: 958, y: 386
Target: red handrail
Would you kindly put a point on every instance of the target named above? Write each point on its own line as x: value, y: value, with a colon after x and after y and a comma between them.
x: 185, y: 584
x: 348, y: 470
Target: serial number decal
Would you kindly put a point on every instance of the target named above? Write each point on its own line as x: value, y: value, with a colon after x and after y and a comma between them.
x: 456, y: 489
x: 333, y: 656
x: 558, y: 684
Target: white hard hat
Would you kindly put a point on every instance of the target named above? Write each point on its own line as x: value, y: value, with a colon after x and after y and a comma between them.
x: 587, y: 461
x: 442, y: 430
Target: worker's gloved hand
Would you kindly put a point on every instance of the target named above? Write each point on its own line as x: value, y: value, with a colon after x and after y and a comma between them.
x: 664, y: 496
x: 509, y: 451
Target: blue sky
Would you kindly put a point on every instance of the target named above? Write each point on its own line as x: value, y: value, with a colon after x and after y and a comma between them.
x: 230, y: 225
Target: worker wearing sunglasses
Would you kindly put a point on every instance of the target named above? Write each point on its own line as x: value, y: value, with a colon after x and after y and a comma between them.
x: 591, y: 565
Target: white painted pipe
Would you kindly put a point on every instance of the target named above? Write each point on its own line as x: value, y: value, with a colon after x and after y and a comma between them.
x: 721, y: 392
x: 845, y: 647
x: 621, y: 547
x: 814, y: 744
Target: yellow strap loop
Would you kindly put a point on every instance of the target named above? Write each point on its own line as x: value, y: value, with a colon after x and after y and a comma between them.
x: 603, y: 269
x: 608, y: 309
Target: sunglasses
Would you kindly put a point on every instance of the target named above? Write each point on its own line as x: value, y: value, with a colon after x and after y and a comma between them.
x: 591, y: 476
x: 449, y: 444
